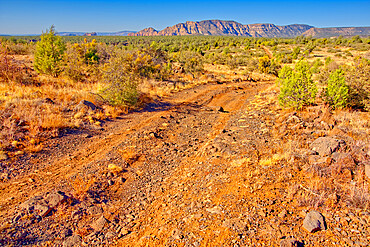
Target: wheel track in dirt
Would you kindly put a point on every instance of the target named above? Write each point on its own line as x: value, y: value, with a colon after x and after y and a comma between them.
x: 21, y: 188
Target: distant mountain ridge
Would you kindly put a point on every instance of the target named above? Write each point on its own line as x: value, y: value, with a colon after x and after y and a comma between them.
x: 120, y: 33
x: 226, y: 28
x: 337, y: 31
x: 232, y: 28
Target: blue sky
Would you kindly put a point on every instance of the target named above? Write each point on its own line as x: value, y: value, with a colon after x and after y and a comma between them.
x: 32, y: 17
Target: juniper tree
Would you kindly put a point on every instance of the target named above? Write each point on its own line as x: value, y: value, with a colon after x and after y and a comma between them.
x: 49, y: 53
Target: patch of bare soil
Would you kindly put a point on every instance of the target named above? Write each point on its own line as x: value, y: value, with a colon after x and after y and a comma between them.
x: 215, y: 165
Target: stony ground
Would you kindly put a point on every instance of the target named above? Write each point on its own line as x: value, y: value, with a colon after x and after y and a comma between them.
x: 215, y: 165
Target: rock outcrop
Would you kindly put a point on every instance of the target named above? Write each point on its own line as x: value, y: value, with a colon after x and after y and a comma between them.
x: 226, y: 28
x: 337, y: 31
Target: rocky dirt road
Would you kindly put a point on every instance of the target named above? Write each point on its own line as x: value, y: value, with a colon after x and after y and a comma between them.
x: 199, y: 168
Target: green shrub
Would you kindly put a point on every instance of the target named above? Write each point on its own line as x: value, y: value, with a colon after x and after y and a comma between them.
x: 336, y: 93
x: 127, y: 69
x: 297, y: 87
x: 121, y: 84
x: 268, y: 66
x: 49, y: 53
x: 316, y: 65
x: 296, y: 52
x: 192, y: 62
x: 358, y: 78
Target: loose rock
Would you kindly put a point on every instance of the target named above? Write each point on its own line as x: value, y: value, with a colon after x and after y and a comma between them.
x: 367, y: 170
x: 84, y: 104
x: 289, y: 242
x: 314, y: 222
x: 74, y: 240
x: 326, y: 145
x: 99, y: 224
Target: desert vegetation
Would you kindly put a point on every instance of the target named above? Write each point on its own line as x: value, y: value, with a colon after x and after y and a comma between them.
x: 298, y: 95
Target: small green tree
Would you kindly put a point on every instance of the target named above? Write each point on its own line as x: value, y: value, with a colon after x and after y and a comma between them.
x: 336, y: 93
x: 297, y: 87
x: 121, y: 81
x: 49, y: 53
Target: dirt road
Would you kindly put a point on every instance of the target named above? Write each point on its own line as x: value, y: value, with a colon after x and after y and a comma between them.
x: 184, y: 171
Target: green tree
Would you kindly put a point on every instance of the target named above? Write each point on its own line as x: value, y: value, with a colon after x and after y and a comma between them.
x: 336, y: 93
x: 49, y: 53
x: 297, y: 87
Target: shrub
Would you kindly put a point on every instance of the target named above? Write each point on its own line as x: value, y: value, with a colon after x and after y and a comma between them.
x: 268, y: 66
x: 192, y: 62
x: 49, y: 53
x: 358, y: 78
x: 316, y: 65
x: 296, y: 52
x: 127, y: 70
x: 336, y: 93
x: 81, y: 60
x: 121, y: 83
x: 73, y: 64
x: 297, y: 87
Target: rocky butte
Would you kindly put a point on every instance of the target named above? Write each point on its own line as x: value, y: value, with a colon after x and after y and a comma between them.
x: 232, y: 28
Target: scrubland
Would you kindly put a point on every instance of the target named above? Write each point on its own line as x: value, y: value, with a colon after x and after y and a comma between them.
x: 194, y: 141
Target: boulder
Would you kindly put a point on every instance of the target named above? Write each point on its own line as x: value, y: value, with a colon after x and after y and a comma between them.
x: 325, y: 146
x: 314, y: 221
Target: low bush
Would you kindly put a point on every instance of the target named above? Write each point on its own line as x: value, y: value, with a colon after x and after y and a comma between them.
x: 268, y: 66
x: 336, y: 92
x: 297, y: 88
x: 358, y: 78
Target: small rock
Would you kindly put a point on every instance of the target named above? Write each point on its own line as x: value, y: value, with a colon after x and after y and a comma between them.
x: 84, y: 104
x: 176, y: 234
x: 48, y: 101
x: 43, y: 210
x: 124, y: 231
x: 94, y: 210
x: 293, y: 120
x: 4, y: 176
x: 221, y: 109
x: 289, y: 242
x: 360, y: 243
x: 326, y: 145
x: 367, y: 170
x: 99, y: 224
x: 318, y: 160
x: 314, y: 221
x: 341, y: 157
x: 214, y: 210
x: 282, y: 214
x: 74, y: 240
x: 66, y: 233
x: 54, y: 199
x: 110, y: 182
x: 109, y: 235
x: 3, y: 156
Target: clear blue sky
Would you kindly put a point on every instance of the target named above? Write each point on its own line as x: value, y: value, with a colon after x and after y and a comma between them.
x: 33, y: 17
